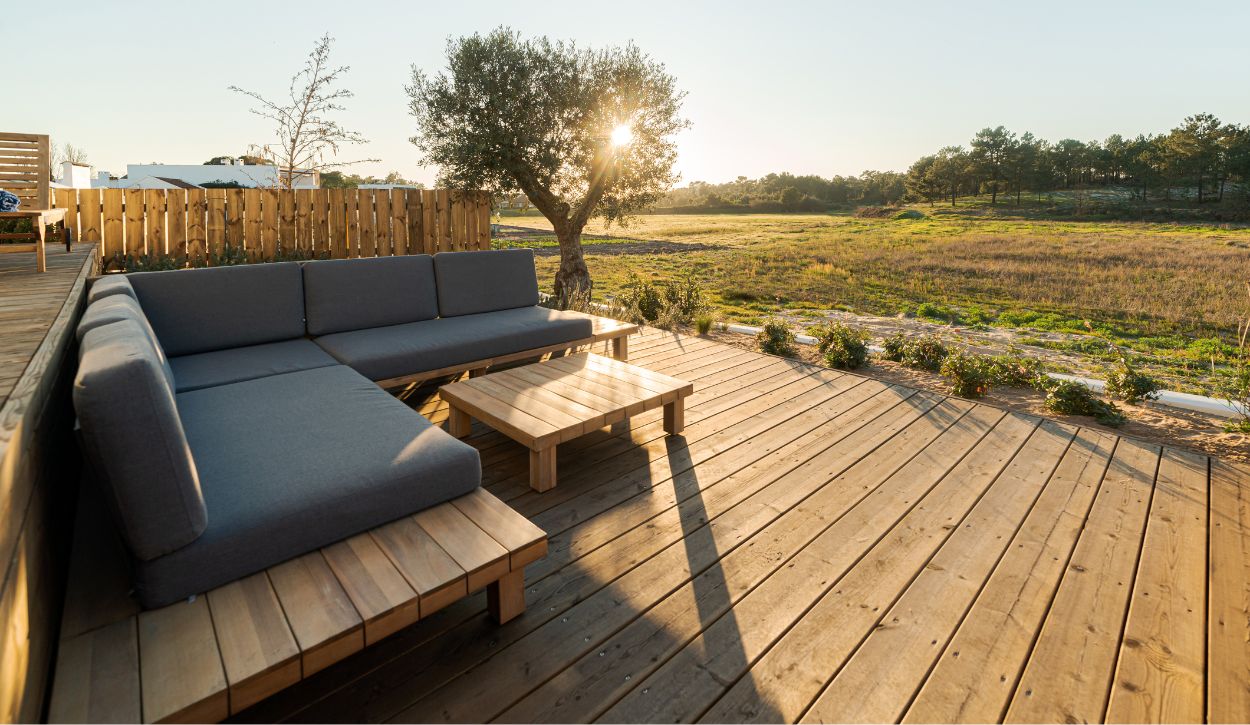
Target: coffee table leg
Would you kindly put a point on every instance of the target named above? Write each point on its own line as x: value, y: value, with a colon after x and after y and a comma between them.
x: 543, y: 469
x: 620, y: 347
x: 458, y: 422
x: 675, y: 417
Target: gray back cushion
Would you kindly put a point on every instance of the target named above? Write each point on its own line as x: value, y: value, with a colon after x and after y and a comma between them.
x: 114, y: 308
x: 134, y: 439
x: 113, y: 284
x: 356, y: 294
x: 198, y: 310
x: 473, y: 282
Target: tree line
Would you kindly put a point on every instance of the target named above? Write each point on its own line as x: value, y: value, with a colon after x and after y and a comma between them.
x: 1200, y: 157
x: 1200, y: 160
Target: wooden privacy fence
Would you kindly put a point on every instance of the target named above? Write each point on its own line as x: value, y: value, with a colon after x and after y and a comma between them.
x: 197, y: 226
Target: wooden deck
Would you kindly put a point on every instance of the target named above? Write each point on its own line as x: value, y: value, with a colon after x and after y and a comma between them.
x: 30, y: 304
x: 822, y: 546
x: 38, y: 465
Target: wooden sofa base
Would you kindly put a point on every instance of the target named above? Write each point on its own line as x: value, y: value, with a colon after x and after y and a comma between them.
x: 603, y: 329
x: 216, y: 654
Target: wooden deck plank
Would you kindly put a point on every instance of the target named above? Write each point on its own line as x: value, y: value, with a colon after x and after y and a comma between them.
x: 97, y: 676
x: 1228, y: 648
x: 890, y: 666
x: 545, y: 651
x: 801, y: 624
x: 525, y: 541
x: 428, y: 569
x: 824, y: 490
x: 326, y: 625
x: 482, y: 558
x: 1162, y: 666
x: 258, y: 650
x: 1069, y: 673
x: 180, y: 666
x: 978, y: 671
x: 380, y: 593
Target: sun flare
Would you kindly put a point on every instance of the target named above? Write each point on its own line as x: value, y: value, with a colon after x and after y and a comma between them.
x: 622, y: 135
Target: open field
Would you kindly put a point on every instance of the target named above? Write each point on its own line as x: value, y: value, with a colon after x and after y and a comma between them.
x: 1171, y: 292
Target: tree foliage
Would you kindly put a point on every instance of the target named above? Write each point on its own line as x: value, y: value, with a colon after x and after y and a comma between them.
x: 1200, y: 159
x: 535, y: 115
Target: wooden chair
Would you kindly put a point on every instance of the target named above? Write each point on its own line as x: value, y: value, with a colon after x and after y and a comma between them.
x: 24, y: 159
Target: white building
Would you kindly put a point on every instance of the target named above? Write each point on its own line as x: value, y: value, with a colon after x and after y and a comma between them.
x: 176, y: 176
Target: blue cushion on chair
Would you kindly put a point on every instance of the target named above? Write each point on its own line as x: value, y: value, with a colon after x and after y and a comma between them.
x: 217, y: 308
x: 354, y: 294
x: 473, y: 282
x: 134, y: 438
x: 291, y: 463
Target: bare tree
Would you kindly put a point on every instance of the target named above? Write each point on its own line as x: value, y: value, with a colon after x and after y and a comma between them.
x: 66, y: 152
x: 307, y: 137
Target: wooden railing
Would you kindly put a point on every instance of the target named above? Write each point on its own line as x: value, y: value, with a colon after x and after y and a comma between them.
x: 205, y: 226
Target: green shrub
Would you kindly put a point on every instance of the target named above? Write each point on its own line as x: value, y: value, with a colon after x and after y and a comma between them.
x: 909, y: 214
x: 703, y: 323
x: 969, y: 374
x: 1014, y: 370
x: 640, y: 300
x: 935, y: 312
x: 841, y: 345
x: 894, y: 347
x: 1127, y: 384
x: 1068, y: 397
x: 776, y: 339
x: 924, y: 353
x: 683, y: 298
x: 665, y: 305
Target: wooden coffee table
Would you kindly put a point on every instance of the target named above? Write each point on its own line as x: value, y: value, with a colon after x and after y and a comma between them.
x: 557, y: 400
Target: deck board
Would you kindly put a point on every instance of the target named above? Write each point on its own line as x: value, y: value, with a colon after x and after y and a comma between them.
x: 809, y: 527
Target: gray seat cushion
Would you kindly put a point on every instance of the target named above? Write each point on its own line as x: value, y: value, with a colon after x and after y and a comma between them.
x: 222, y: 367
x: 217, y: 308
x: 113, y: 284
x: 134, y: 439
x: 294, y: 462
x: 390, y: 352
x: 113, y: 308
x: 474, y: 282
x: 354, y: 294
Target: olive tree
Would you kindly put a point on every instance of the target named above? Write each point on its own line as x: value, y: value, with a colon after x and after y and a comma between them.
x: 581, y: 132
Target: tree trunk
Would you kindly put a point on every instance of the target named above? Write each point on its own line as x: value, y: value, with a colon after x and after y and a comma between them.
x: 572, y: 283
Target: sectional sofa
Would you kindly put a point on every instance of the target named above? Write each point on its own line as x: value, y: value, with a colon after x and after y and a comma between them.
x: 233, y: 414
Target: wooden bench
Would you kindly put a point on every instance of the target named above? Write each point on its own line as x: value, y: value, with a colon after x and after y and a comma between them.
x: 602, y: 329
x: 216, y: 654
x: 24, y: 161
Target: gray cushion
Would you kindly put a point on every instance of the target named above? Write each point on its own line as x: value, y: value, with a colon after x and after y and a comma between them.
x: 473, y: 282
x: 135, y: 442
x: 390, y: 352
x: 113, y: 284
x: 222, y: 367
x: 197, y: 310
x: 294, y: 462
x: 353, y: 294
x: 113, y: 308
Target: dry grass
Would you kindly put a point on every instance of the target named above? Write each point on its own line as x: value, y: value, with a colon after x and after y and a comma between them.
x: 1139, y: 278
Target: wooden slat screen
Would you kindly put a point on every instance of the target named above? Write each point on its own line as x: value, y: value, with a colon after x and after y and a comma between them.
x: 24, y: 162
x: 191, y: 227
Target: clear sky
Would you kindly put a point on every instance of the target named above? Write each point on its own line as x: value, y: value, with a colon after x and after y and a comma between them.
x: 823, y: 88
